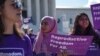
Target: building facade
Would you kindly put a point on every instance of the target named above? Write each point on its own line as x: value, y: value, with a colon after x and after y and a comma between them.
x: 36, y: 9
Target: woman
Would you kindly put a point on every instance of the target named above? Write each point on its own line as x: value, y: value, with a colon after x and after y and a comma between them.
x: 12, y: 39
x: 83, y: 26
x: 48, y: 25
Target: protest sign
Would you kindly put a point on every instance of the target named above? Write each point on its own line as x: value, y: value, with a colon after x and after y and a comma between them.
x: 95, y: 9
x: 74, y: 45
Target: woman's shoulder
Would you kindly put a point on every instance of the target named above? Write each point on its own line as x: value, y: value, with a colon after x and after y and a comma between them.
x: 26, y: 37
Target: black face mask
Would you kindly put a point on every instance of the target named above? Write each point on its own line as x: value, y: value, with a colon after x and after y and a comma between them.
x: 17, y: 4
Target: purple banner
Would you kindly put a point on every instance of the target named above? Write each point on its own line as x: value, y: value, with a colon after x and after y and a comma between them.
x: 74, y: 45
x: 95, y: 9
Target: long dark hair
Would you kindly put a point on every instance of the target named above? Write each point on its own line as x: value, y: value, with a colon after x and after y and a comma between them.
x: 78, y: 29
x: 17, y: 31
x: 89, y: 30
x: 2, y: 2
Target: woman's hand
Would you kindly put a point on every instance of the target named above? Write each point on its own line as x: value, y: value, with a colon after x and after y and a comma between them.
x: 62, y: 53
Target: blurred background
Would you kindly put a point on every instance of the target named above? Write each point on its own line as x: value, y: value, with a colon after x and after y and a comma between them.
x: 64, y: 11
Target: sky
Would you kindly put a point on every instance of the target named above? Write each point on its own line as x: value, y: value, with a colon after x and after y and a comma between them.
x: 75, y: 3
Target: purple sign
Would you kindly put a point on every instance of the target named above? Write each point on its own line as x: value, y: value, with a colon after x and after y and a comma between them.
x: 11, y: 52
x: 96, y: 15
x: 74, y: 45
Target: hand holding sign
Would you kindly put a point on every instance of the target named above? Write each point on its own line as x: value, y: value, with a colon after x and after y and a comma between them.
x: 63, y: 53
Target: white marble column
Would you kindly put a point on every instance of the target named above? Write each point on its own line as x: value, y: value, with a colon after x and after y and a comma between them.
x: 29, y: 7
x: 52, y: 8
x: 37, y: 12
x: 45, y: 7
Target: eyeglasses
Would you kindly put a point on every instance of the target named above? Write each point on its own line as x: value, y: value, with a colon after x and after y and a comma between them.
x: 17, y: 4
